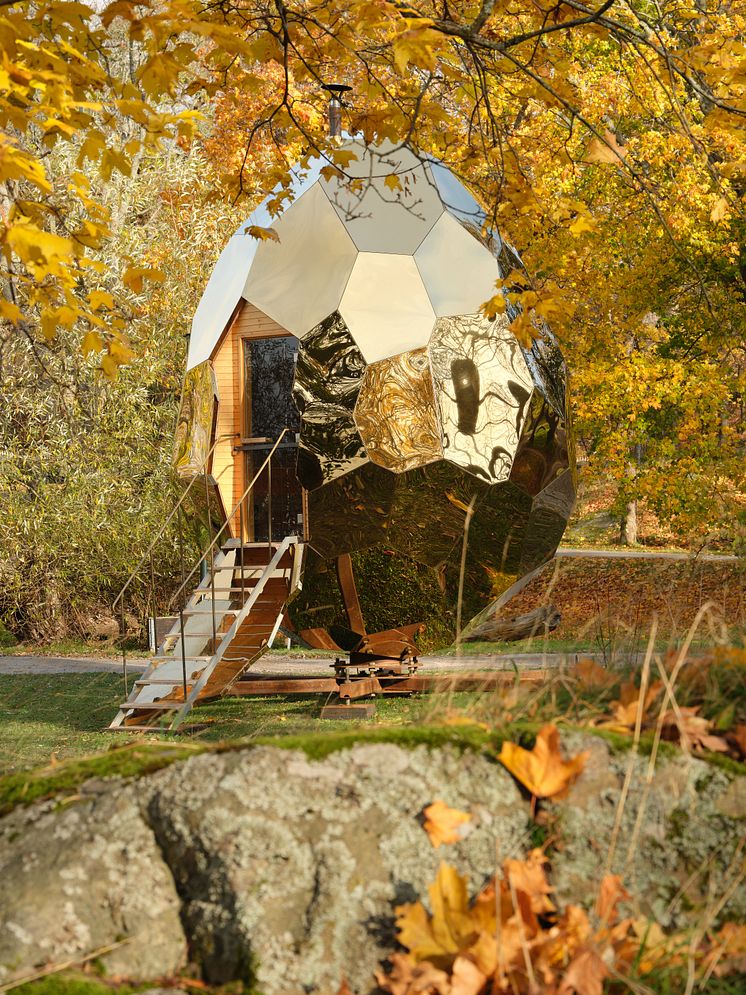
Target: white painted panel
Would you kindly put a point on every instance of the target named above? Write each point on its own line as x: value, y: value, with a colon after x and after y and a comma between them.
x: 299, y: 280
x: 459, y: 272
x: 385, y: 306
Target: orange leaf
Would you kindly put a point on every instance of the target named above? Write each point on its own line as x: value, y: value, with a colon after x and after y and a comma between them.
x: 585, y: 975
x: 607, y: 151
x: 529, y: 877
x: 610, y: 893
x: 589, y: 674
x: 442, y: 823
x: 542, y: 770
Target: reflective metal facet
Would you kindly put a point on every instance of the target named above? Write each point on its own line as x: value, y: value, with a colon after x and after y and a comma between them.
x: 380, y: 213
x: 194, y: 426
x: 395, y: 412
x: 386, y: 306
x: 542, y: 453
x: 482, y: 389
x: 351, y: 512
x: 458, y: 271
x: 299, y: 279
x: 328, y: 375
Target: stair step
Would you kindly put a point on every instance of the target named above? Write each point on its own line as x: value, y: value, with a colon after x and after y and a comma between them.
x: 151, y: 706
x: 173, y: 682
x: 177, y: 656
x: 135, y: 729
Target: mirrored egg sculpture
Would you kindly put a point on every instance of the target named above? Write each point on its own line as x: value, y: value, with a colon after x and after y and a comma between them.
x: 412, y: 412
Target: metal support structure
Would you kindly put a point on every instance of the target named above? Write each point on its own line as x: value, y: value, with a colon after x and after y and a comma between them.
x: 269, y: 505
x: 124, y: 648
x: 212, y: 562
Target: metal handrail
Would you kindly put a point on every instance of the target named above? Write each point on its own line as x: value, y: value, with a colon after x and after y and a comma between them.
x: 175, y: 511
x: 229, y: 517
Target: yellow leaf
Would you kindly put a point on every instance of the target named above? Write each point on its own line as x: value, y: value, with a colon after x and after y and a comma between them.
x: 581, y: 224
x: 458, y: 503
x: 393, y: 182
x: 343, y: 157
x: 606, y: 151
x: 416, y: 45
x: 442, y: 823
x: 10, y: 311
x: 719, y: 210
x: 134, y: 276
x: 494, y: 306
x: 92, y: 342
x: 263, y: 234
x: 49, y: 324
x: 331, y: 173
x: 542, y: 770
x: 120, y: 351
x: 100, y: 298
x: 443, y: 935
x: 110, y: 367
x: 38, y: 247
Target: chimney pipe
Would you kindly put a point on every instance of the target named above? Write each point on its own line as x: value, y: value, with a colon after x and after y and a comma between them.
x: 335, y: 91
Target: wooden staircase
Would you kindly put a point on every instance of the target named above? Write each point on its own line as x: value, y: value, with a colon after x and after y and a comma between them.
x: 230, y: 619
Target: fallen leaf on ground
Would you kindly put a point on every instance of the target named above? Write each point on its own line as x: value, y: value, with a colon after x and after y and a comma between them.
x: 543, y: 770
x: 407, y: 977
x: 729, y: 952
x: 585, y: 975
x: 624, y: 711
x: 448, y: 931
x: 693, y: 730
x: 529, y: 876
x: 444, y: 824
x: 590, y: 674
x: 737, y: 737
x: 611, y: 891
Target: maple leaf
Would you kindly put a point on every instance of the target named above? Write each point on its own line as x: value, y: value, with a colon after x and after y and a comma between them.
x: 442, y: 823
x: 585, y: 975
x: 263, y: 234
x: 625, y: 710
x: 719, y: 210
x: 466, y: 979
x: 607, y: 151
x: 693, y: 730
x: 611, y: 891
x: 542, y: 770
x: 737, y: 736
x: 589, y: 674
x: 528, y: 876
x: 407, y: 976
x: 393, y: 182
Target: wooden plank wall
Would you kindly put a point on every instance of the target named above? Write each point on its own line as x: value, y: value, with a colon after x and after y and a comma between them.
x: 227, y: 361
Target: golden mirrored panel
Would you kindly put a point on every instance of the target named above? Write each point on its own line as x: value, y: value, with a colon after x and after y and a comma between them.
x: 482, y: 390
x: 395, y: 412
x: 194, y: 426
x: 542, y: 451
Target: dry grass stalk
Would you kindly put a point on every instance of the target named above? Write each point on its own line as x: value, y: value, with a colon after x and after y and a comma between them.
x: 644, y: 680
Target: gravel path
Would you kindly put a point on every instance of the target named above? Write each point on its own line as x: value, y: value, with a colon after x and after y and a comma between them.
x: 287, y: 665
x: 565, y: 552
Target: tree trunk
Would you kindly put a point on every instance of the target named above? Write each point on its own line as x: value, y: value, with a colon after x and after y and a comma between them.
x: 538, y: 622
x: 628, y: 532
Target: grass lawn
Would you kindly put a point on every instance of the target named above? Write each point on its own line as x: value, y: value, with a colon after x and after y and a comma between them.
x: 48, y: 717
